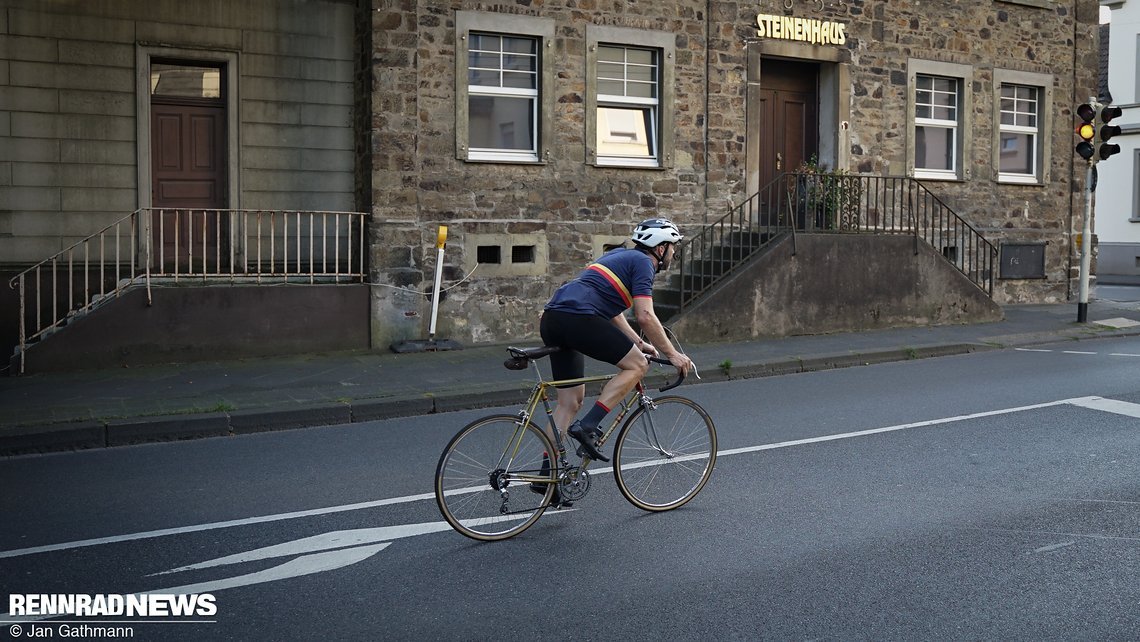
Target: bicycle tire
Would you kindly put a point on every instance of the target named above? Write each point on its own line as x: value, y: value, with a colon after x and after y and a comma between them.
x: 666, y: 477
x: 475, y: 458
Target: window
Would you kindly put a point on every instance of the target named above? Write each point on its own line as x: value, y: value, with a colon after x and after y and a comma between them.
x: 627, y: 106
x: 1021, y: 113
x: 1018, y: 133
x: 503, y: 90
x: 629, y: 97
x: 938, y: 109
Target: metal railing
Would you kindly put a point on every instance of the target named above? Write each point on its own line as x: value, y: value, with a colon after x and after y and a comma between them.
x: 184, y: 245
x: 833, y: 203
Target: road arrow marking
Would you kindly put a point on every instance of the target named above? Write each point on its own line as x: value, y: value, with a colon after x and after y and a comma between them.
x: 323, y: 542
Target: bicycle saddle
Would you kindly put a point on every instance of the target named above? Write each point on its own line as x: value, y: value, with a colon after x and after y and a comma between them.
x: 520, y: 357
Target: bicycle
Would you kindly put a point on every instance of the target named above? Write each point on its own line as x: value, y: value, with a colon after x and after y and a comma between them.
x: 496, y: 476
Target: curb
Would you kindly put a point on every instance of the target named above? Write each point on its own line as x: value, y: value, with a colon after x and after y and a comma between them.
x: 82, y: 435
x: 87, y: 434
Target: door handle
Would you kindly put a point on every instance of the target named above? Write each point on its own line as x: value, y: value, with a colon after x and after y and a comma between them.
x: 779, y: 161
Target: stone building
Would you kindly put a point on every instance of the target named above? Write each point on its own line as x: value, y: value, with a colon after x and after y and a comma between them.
x: 972, y: 97
x: 537, y: 132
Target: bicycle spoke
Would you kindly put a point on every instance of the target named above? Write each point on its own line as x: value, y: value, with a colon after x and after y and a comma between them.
x: 477, y: 480
x: 665, y: 454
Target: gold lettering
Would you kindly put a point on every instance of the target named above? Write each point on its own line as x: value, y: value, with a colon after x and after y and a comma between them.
x: 801, y: 29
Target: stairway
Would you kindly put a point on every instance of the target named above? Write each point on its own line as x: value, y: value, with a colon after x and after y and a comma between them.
x: 702, y: 272
x: 814, y: 202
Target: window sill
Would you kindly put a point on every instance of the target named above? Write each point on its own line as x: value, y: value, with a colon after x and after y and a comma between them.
x: 626, y: 164
x: 1031, y: 181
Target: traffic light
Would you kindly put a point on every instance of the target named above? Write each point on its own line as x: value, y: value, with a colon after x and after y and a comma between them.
x: 1106, y: 131
x: 1086, y: 130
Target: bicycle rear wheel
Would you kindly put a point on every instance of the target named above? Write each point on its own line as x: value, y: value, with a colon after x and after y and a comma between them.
x: 665, y: 454
x: 483, y: 483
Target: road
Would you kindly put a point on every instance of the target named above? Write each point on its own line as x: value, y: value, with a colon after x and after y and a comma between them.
x: 991, y: 495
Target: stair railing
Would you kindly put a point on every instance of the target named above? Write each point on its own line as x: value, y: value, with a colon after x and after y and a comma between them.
x: 159, y: 245
x: 814, y: 202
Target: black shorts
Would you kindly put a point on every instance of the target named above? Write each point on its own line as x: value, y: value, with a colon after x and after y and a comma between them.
x: 581, y: 334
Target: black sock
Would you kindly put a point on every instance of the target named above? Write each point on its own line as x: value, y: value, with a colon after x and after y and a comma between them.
x: 595, y: 416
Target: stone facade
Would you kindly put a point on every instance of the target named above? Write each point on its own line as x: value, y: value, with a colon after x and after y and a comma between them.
x: 419, y: 181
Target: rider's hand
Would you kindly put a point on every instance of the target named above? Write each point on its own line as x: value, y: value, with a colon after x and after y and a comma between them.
x: 682, y: 362
x: 647, y: 348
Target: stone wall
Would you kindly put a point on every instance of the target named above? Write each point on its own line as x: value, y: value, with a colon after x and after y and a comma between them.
x: 418, y: 183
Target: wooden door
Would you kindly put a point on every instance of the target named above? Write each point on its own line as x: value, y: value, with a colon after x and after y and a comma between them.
x: 789, y: 121
x: 188, y: 170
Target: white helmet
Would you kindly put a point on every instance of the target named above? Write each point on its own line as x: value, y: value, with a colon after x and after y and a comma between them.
x: 655, y: 231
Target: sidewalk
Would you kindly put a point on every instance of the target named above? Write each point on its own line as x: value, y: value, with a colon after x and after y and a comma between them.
x: 116, y: 407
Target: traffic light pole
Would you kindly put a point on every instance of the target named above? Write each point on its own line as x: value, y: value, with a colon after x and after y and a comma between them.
x: 1086, y: 246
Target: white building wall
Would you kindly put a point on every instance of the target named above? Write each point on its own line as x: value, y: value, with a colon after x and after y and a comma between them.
x: 1117, y: 217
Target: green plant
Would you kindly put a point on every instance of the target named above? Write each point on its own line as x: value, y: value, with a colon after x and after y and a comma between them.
x: 726, y: 366
x: 830, y: 197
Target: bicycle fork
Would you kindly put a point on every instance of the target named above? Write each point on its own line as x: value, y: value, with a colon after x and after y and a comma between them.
x: 649, y: 427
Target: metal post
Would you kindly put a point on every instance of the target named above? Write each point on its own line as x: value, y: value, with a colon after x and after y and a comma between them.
x: 441, y: 241
x: 1086, y: 249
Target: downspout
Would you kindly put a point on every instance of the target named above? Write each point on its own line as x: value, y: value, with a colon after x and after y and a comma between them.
x: 708, y: 88
x: 1072, y: 167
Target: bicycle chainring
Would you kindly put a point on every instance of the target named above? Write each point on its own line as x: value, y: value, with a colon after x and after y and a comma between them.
x: 573, y: 483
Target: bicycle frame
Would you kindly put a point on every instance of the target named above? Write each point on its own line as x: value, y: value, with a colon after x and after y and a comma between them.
x: 540, y: 394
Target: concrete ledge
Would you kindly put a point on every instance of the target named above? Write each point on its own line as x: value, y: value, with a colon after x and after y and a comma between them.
x: 486, y: 399
x: 371, y: 410
x: 147, y: 429
x: 70, y: 436
x: 251, y: 421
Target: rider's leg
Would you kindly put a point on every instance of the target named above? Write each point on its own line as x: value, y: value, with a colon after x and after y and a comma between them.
x: 569, y: 403
x: 634, y: 367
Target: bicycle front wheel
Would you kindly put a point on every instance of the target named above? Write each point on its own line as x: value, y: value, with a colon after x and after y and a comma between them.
x: 487, y: 477
x: 665, y: 454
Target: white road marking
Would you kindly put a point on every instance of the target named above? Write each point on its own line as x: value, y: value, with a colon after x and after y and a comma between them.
x: 1053, y: 547
x: 1031, y: 350
x: 1096, y: 403
x: 304, y: 565
x: 1122, y: 354
x: 322, y: 542
x: 214, y: 525
x: 917, y: 424
x: 1110, y: 405
x: 1076, y: 352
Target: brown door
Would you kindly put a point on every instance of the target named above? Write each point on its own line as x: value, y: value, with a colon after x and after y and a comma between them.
x: 188, y: 170
x: 789, y: 120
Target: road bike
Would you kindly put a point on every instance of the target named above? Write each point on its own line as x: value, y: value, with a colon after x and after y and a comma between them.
x: 499, y: 474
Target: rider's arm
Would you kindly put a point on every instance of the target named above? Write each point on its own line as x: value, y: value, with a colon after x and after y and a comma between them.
x: 647, y: 319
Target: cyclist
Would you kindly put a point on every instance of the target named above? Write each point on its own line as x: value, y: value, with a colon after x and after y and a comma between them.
x: 585, y: 317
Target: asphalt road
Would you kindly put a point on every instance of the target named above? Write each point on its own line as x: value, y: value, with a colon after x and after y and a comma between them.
x: 977, y: 496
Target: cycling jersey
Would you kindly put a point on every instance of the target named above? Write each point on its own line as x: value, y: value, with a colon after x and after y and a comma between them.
x: 607, y: 287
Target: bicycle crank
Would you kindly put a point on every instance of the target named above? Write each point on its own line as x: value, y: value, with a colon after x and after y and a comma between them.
x: 573, y: 483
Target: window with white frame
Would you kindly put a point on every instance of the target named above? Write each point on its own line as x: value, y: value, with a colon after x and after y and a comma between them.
x: 1018, y: 133
x: 503, y: 96
x: 1021, y: 113
x: 937, y: 105
x: 629, y: 97
x: 628, y: 106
